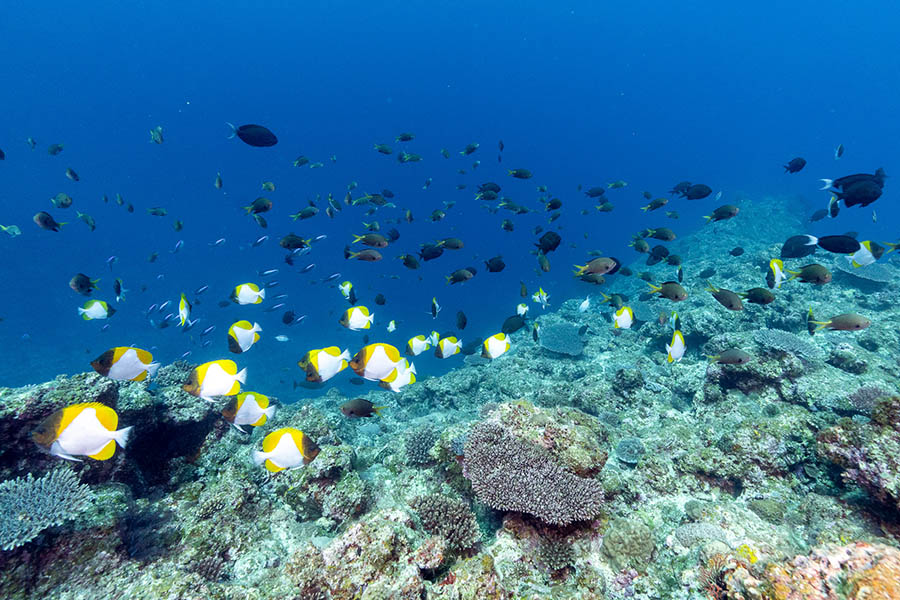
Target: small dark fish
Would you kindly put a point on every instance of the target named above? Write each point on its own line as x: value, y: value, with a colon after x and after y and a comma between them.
x: 254, y: 135
x: 839, y: 244
x: 54, y: 149
x: 726, y: 298
x: 818, y: 215
x: 814, y: 273
x: 45, y: 221
x: 461, y: 320
x: 736, y: 251
x: 430, y: 252
x: 758, y: 295
x: 367, y: 255
x: 380, y: 300
x: 359, y: 407
x: 798, y: 246
x: 513, y: 324
x: 288, y: 317
x: 83, y: 284
x: 698, y: 191
x: 795, y: 165
x: 549, y: 242
x: 733, y: 356
x: 723, y: 213
x: 357, y: 381
x: 409, y: 261
x: 839, y: 151
x: 520, y: 173
x: 495, y: 264
x: 71, y: 174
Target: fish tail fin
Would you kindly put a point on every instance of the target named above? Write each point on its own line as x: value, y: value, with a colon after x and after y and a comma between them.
x: 241, y: 375
x: 710, y: 287
x: 654, y: 288
x: 262, y: 296
x: 377, y: 409
x: 270, y: 411
x: 152, y: 368
x: 891, y: 246
x: 712, y: 358
x: 248, y: 209
x: 259, y: 457
x: 357, y: 238
x: 645, y: 208
x: 233, y: 130
x: 605, y: 297
x: 826, y: 183
x: 708, y: 218
x: 121, y: 436
x: 579, y: 270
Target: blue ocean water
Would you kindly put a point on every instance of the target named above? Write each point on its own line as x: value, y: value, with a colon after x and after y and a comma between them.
x: 581, y: 93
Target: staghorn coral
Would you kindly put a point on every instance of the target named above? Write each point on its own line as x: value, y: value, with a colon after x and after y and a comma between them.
x: 448, y: 518
x: 509, y: 474
x: 418, y: 445
x: 28, y: 506
x: 556, y: 553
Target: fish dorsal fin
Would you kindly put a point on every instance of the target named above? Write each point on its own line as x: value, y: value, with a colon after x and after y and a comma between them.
x: 392, y: 353
x: 106, y: 452
x: 271, y: 440
x: 143, y: 356
x: 229, y: 366
x: 261, y: 400
x: 243, y: 325
x: 107, y: 416
x: 118, y: 353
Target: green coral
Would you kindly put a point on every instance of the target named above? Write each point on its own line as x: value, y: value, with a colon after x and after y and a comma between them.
x: 28, y: 506
x: 629, y: 543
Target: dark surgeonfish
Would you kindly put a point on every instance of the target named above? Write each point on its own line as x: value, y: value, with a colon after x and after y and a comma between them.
x: 860, y: 188
x: 254, y: 135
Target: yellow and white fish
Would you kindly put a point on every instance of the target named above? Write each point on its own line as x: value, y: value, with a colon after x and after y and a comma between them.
x: 496, y: 345
x: 868, y: 253
x: 392, y: 326
x: 435, y: 308
x: 286, y: 448
x: 356, y: 318
x: 87, y: 429
x: 96, y: 309
x: 375, y: 361
x: 346, y: 288
x: 433, y: 338
x: 775, y: 277
x: 541, y: 297
x: 125, y: 364
x: 322, y: 364
x: 248, y: 408
x: 447, y: 347
x: 215, y: 378
x: 521, y: 309
x: 623, y: 318
x: 248, y: 293
x: 403, y: 375
x: 417, y: 345
x: 184, y: 310
x: 675, y: 350
x: 242, y: 335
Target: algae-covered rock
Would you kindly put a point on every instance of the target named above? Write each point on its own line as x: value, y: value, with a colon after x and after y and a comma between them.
x: 629, y: 543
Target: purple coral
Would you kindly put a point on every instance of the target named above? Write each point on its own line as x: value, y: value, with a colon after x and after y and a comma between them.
x: 509, y: 474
